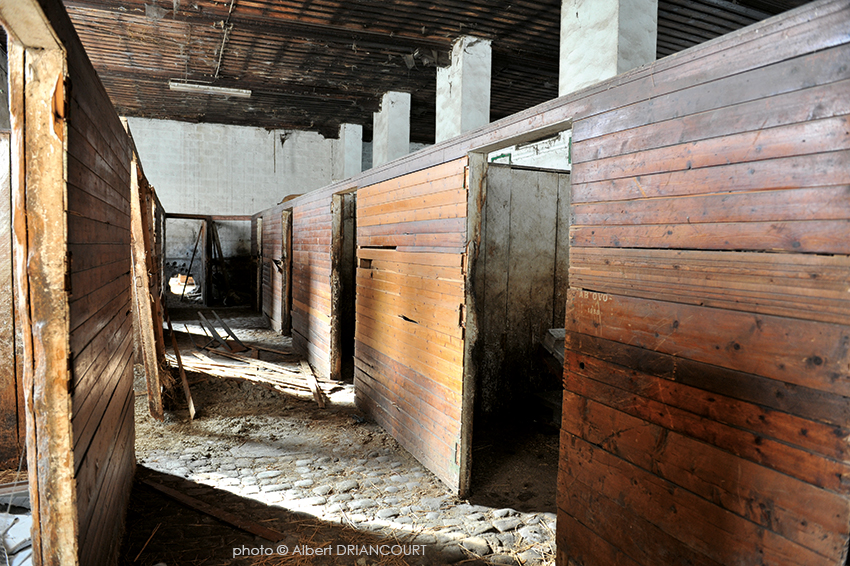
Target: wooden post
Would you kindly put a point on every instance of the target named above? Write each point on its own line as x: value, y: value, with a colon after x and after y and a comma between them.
x: 208, y: 261
x: 40, y: 260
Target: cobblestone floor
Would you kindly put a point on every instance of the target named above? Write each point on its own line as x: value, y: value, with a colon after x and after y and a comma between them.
x: 280, y: 459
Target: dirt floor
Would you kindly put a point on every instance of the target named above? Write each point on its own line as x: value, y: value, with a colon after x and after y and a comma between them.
x: 513, y: 468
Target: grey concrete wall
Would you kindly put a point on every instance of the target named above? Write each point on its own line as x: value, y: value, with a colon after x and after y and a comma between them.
x: 218, y: 169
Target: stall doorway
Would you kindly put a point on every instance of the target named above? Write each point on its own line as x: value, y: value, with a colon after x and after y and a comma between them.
x: 343, y: 281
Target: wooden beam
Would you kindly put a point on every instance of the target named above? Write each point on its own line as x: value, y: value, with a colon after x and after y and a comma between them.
x: 220, y: 514
x: 36, y: 79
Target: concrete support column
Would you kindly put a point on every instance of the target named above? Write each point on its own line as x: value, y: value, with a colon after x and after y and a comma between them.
x: 391, y: 128
x: 463, y: 89
x: 349, y: 155
x: 603, y: 38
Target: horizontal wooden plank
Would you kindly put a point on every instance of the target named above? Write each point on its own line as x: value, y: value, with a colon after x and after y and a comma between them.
x: 393, y: 256
x: 792, y: 508
x: 443, y: 287
x: 440, y: 434
x: 811, y: 354
x: 805, y: 402
x: 815, y: 136
x: 367, y: 198
x: 642, y: 541
x: 415, y: 270
x: 764, y: 97
x: 817, y: 236
x: 445, y: 373
x: 84, y: 230
x: 687, y: 518
x: 812, y: 287
x: 623, y: 386
x: 425, y: 450
x: 453, y: 242
x: 421, y: 177
x: 440, y: 226
x: 441, y: 398
x: 432, y: 213
x: 398, y: 285
x: 410, y: 334
x: 803, y: 465
x: 83, y: 308
x: 576, y: 542
x: 442, y: 320
x: 822, y: 203
x: 83, y: 203
x: 795, y: 171
x: 425, y: 200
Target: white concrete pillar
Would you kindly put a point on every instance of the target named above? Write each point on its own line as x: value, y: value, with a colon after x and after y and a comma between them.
x: 603, y: 38
x: 349, y: 155
x: 463, y: 89
x: 391, y: 128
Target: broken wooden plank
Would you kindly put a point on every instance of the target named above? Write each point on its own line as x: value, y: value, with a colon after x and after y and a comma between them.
x: 206, y: 323
x: 229, y: 331
x: 220, y: 514
x: 183, y: 379
x: 314, y: 386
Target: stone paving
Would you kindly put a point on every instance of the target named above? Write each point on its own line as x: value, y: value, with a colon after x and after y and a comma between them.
x: 332, y: 465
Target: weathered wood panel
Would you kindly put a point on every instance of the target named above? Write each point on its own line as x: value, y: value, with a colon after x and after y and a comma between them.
x: 523, y: 270
x: 706, y: 379
x: 409, y: 339
x: 101, y: 335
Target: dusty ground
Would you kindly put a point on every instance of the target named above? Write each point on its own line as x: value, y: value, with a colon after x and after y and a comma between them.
x: 514, y: 468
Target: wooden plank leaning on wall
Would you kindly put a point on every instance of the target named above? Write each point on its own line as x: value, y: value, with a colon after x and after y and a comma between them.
x: 146, y: 301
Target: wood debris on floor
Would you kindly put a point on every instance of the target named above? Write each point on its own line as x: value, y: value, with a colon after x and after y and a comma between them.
x: 225, y: 360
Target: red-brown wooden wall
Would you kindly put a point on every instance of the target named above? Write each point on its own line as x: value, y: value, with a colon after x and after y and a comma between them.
x: 705, y: 416
x: 100, y: 323
x: 411, y: 253
x: 311, y: 270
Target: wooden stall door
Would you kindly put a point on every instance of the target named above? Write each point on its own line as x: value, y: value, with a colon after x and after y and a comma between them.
x: 411, y: 291
x: 286, y: 272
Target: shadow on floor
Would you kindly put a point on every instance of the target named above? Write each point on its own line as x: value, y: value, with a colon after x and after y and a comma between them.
x: 161, y: 530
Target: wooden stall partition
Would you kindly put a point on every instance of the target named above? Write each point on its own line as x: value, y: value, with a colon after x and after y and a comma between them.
x: 71, y: 217
x: 411, y: 291
x: 311, y: 280
x: 522, y: 269
x: 705, y: 416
